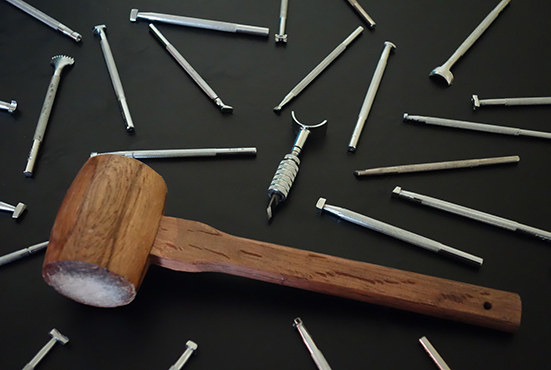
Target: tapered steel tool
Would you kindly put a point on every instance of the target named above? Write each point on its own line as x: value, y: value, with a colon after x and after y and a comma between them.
x: 189, y: 69
x: 316, y: 354
x: 56, y: 337
x: 438, y: 360
x: 13, y: 256
x: 319, y: 68
x: 191, y: 347
x: 44, y: 18
x: 477, y: 102
x: 282, y: 36
x: 370, y: 96
x: 398, y: 233
x: 16, y: 210
x: 444, y: 70
x: 182, y: 153
x: 10, y: 107
x: 471, y: 213
x: 356, y: 5
x: 59, y: 62
x: 115, y: 78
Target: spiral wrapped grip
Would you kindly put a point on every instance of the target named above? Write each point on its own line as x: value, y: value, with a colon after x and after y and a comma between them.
x: 284, y: 176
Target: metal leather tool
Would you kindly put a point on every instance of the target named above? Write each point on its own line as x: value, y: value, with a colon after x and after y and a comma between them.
x: 191, y: 347
x: 316, y: 354
x: 356, y: 5
x: 182, y: 153
x: 59, y: 62
x: 189, y: 69
x: 13, y: 256
x: 477, y: 103
x: 438, y: 360
x: 10, y: 107
x: 56, y: 337
x: 16, y: 210
x: 288, y: 168
x: 281, y: 36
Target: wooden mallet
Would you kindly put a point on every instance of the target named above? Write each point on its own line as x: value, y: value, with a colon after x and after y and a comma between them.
x: 110, y: 227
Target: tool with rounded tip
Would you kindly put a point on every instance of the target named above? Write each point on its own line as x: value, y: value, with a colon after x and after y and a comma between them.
x: 477, y: 102
x: 356, y: 5
x: 438, y: 360
x: 189, y: 69
x: 191, y: 347
x: 22, y: 253
x: 398, y: 233
x: 181, y: 153
x: 316, y: 354
x: 199, y: 23
x: 16, y: 210
x: 59, y: 62
x: 370, y: 96
x: 56, y: 337
x: 319, y: 68
x: 282, y: 36
x: 444, y: 70
x: 10, y: 107
x: 288, y: 168
x: 114, y: 74
x: 44, y: 18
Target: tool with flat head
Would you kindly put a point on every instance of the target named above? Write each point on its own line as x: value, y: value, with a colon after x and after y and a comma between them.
x: 10, y: 107
x: 438, y: 360
x: 316, y: 354
x: 288, y: 168
x: 16, y: 210
x: 59, y: 62
x: 110, y: 227
x: 22, y: 253
x: 477, y: 102
x: 189, y: 69
x: 56, y: 337
x: 282, y: 36
x: 191, y: 347
x: 356, y: 5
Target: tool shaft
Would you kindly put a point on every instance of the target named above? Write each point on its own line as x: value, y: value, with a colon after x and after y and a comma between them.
x: 10, y: 107
x: 282, y: 36
x: 183, y: 153
x: 438, y: 360
x: 516, y: 101
x: 356, y: 5
x: 22, y: 253
x: 316, y: 354
x: 191, y: 347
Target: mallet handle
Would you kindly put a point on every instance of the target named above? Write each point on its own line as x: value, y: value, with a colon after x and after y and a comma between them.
x: 195, y: 247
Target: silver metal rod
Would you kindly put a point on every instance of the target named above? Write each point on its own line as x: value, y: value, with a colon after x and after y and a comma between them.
x: 316, y: 354
x: 444, y: 70
x: 438, y: 360
x: 398, y: 233
x: 191, y: 347
x: 471, y: 213
x: 22, y: 253
x: 16, y: 210
x: 448, y: 165
x: 189, y: 69
x: 44, y: 18
x: 319, y: 68
x: 370, y: 96
x: 115, y: 78
x: 477, y: 126
x: 282, y: 36
x: 362, y: 12
x: 199, y: 23
x: 10, y: 107
x: 182, y: 153
x: 477, y: 102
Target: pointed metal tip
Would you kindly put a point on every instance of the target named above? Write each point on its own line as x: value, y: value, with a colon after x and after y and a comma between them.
x: 277, y: 108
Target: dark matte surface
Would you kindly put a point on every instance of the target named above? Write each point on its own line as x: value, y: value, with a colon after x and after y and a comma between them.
x: 242, y: 324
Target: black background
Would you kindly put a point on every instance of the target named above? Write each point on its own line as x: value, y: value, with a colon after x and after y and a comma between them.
x: 244, y: 324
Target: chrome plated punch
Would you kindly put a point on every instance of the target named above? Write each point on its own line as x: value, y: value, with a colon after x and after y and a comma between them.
x: 477, y: 102
x: 46, y: 19
x: 398, y: 233
x: 198, y: 23
x: 316, y: 354
x: 319, y: 68
x: 56, y: 337
x: 10, y: 107
x: 438, y: 360
x: 281, y: 36
x: 189, y: 69
x: 13, y: 256
x: 191, y: 347
x: 16, y: 210
x: 356, y: 5
x: 182, y: 153
x: 471, y: 213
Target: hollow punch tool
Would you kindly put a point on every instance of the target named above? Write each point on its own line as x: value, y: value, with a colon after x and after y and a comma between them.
x: 13, y: 256
x: 191, y: 347
x: 281, y: 36
x: 444, y: 70
x: 10, y: 107
x: 182, y: 153
x: 56, y: 337
x: 115, y: 78
x: 370, y: 96
x: 398, y: 233
x: 356, y: 5
x: 434, y: 355
x: 199, y: 23
x: 319, y: 68
x: 189, y: 69
x: 316, y: 354
x: 44, y: 18
x: 16, y: 210
x: 59, y: 62
x: 477, y: 102
x: 435, y: 166
x: 477, y: 126
x: 288, y: 168
x: 471, y: 213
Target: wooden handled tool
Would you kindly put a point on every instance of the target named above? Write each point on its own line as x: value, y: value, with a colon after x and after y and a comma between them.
x: 110, y: 227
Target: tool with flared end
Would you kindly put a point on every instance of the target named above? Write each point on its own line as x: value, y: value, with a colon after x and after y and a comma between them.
x: 10, y: 107
x: 16, y: 210
x: 288, y: 167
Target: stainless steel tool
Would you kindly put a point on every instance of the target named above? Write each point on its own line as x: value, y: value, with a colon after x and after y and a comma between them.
x: 10, y: 107
x: 56, y: 337
x: 356, y: 5
x: 319, y: 68
x: 182, y: 153
x: 115, y: 78
x: 438, y: 360
x: 281, y: 36
x: 477, y: 126
x: 59, y: 62
x: 448, y: 165
x: 444, y: 70
x: 288, y: 168
x: 16, y: 210
x: 189, y: 69
x: 191, y: 347
x: 370, y: 96
x: 316, y: 354
x: 398, y: 233
x: 44, y: 18
x: 471, y: 213
x: 477, y: 103
x: 13, y: 256
x: 199, y: 23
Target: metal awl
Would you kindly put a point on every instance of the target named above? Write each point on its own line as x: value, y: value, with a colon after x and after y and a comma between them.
x: 189, y: 69
x: 16, y: 210
x: 56, y: 337
x: 182, y: 153
x: 10, y: 107
x: 191, y: 347
x: 438, y: 360
x: 356, y: 5
x: 13, y: 256
x: 282, y: 36
x: 477, y: 102
x: 316, y: 354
